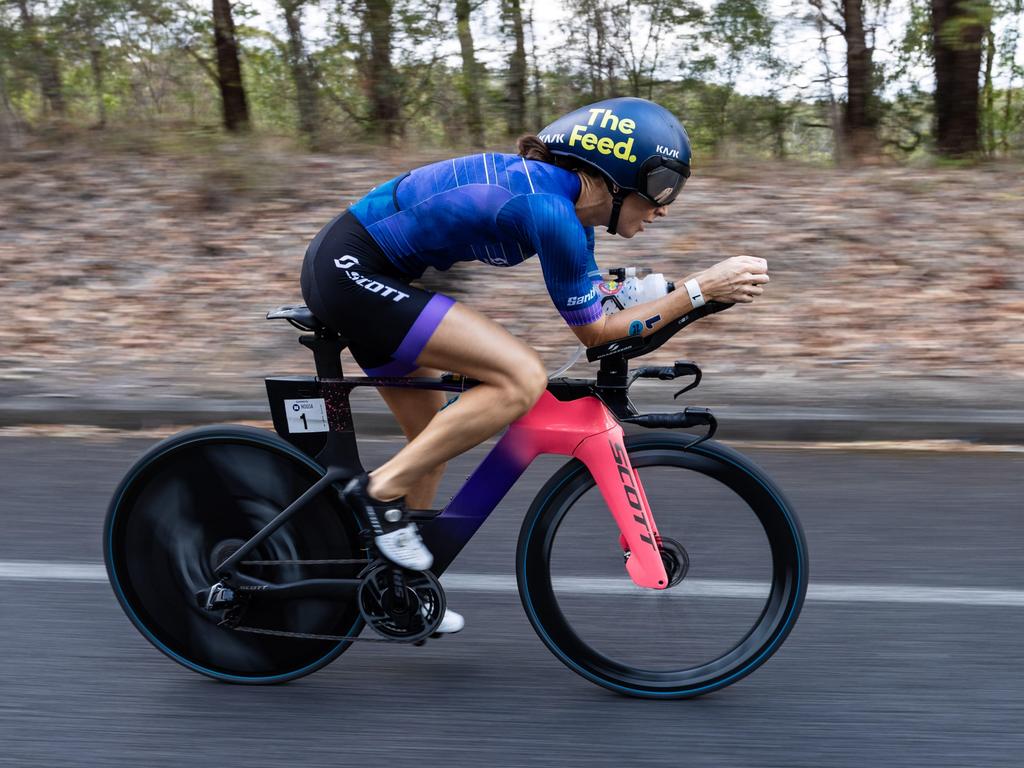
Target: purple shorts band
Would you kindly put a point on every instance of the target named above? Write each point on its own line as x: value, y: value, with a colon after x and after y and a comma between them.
x: 403, y: 359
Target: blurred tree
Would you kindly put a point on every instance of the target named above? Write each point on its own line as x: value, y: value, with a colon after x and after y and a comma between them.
x: 623, y: 40
x: 1012, y: 119
x: 515, y: 95
x: 184, y: 23
x: 859, y: 124
x: 9, y: 122
x: 382, y: 81
x: 642, y: 30
x: 1000, y: 121
x: 958, y: 28
x: 587, y: 28
x: 45, y: 62
x: 303, y: 71
x: 229, y: 68
x: 471, y: 80
x: 393, y: 46
x: 84, y: 28
x: 739, y: 33
x: 538, y: 76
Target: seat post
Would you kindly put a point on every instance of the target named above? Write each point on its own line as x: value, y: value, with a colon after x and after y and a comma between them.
x: 326, y: 346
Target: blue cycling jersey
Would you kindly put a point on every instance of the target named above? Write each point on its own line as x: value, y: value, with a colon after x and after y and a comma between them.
x: 496, y: 208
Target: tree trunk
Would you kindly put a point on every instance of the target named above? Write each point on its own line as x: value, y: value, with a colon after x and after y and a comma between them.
x: 46, y: 65
x: 538, y: 86
x: 859, y: 118
x: 988, y: 90
x: 470, y: 74
x: 8, y: 120
x: 381, y: 78
x: 306, y: 97
x: 778, y: 119
x: 834, y: 115
x: 1008, y: 126
x: 96, y: 63
x: 229, y: 69
x: 1004, y: 141
x: 958, y: 28
x: 603, y: 58
x: 515, y: 110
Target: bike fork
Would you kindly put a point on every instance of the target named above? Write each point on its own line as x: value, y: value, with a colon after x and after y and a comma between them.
x: 605, y: 456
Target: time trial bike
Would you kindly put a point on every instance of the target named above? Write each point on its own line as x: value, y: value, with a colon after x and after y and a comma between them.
x: 656, y: 564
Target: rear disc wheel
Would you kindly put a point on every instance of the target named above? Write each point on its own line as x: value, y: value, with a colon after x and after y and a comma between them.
x: 192, y: 501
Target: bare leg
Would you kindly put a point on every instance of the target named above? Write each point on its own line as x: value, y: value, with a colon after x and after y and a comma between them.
x: 512, y: 379
x: 413, y: 409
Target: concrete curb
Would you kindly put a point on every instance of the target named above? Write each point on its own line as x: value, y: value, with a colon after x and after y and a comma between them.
x: 736, y: 422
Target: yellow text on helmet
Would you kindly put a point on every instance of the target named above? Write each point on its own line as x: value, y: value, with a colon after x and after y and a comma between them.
x: 606, y: 145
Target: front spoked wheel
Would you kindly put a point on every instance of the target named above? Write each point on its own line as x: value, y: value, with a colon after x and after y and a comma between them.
x: 189, y: 504
x: 733, y: 549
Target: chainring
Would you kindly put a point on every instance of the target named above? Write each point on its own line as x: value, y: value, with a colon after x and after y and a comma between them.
x: 400, y: 604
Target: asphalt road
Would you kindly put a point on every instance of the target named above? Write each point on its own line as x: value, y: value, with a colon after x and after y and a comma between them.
x: 885, y: 675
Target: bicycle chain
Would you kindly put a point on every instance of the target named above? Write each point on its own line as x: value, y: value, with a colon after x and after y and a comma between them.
x: 306, y: 562
x: 235, y: 612
x: 312, y: 636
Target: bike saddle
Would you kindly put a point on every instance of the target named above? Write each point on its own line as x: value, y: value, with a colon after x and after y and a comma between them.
x: 298, y: 315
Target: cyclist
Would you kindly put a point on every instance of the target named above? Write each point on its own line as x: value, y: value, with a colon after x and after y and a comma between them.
x: 617, y: 163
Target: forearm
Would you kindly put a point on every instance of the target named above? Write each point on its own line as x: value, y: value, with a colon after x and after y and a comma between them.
x: 651, y: 315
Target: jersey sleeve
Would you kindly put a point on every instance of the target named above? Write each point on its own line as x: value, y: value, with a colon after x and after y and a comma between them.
x: 565, y: 251
x: 594, y: 270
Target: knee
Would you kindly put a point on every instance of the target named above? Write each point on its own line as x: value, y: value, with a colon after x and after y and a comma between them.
x: 528, y: 383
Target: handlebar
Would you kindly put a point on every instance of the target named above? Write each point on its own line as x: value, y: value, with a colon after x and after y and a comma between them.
x: 635, y: 346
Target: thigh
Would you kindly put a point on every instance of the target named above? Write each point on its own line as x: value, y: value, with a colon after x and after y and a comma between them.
x: 472, y: 344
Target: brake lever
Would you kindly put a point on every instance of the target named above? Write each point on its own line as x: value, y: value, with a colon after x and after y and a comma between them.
x: 687, y: 368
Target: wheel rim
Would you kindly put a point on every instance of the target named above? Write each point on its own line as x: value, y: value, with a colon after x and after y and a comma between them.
x: 182, y: 510
x: 721, y: 621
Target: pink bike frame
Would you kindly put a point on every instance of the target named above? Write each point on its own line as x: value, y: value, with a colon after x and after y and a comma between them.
x: 584, y: 429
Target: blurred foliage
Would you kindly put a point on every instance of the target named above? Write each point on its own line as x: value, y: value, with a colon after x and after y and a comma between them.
x: 129, y: 64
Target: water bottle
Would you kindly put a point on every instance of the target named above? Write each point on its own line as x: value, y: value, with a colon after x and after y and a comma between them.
x: 625, y: 288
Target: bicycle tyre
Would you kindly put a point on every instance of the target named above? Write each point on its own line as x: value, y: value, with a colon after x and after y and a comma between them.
x: 789, y: 572
x: 205, y: 486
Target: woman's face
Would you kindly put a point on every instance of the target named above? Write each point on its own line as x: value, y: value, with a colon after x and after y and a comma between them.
x: 637, y: 211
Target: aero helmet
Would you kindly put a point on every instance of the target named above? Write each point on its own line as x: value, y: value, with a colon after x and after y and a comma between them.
x: 635, y: 144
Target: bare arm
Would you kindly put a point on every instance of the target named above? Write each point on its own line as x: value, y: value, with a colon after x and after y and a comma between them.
x: 737, y: 280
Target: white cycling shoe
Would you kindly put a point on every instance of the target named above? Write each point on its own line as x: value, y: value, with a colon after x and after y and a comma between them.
x: 404, y: 547
x: 451, y: 623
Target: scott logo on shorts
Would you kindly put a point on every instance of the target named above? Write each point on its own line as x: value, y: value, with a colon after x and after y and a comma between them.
x: 373, y: 286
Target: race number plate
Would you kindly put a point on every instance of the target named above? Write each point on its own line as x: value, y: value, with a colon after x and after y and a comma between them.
x: 306, y: 415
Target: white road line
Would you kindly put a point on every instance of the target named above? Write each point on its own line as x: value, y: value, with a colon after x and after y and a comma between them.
x: 34, y: 570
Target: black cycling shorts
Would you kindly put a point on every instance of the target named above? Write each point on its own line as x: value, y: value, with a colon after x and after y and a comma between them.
x: 352, y: 287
